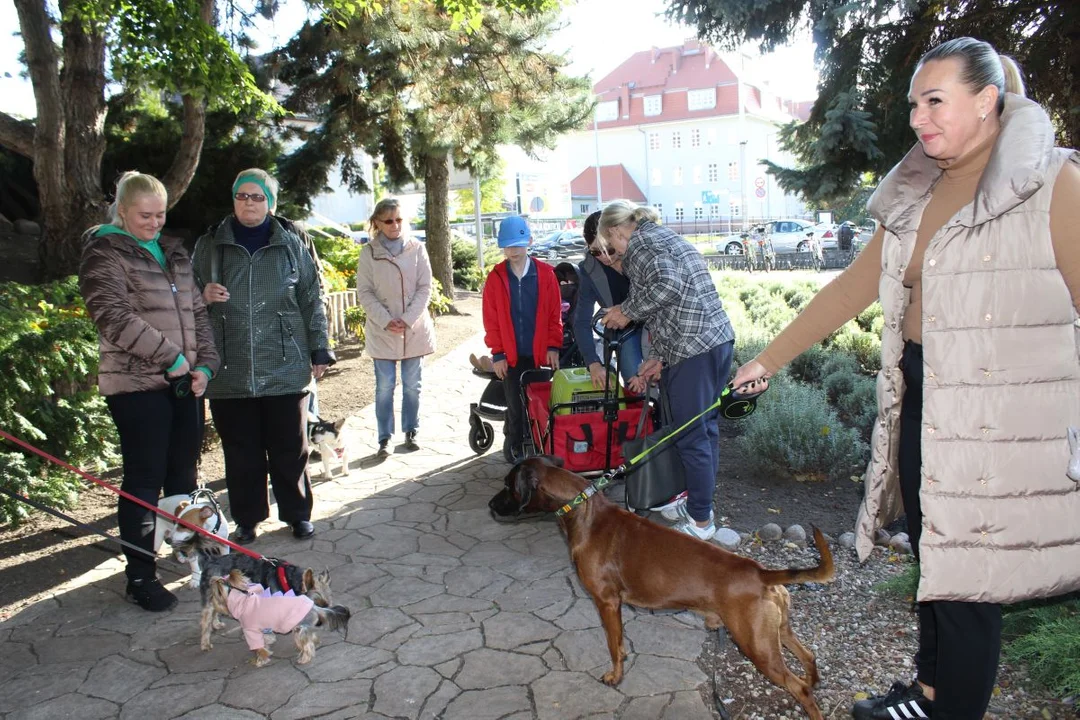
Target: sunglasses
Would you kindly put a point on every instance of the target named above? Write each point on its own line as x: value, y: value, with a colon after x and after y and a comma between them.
x: 394, y: 221
x: 603, y: 251
x: 253, y: 197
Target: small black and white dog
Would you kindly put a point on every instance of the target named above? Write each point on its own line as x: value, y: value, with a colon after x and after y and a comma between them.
x: 330, y: 438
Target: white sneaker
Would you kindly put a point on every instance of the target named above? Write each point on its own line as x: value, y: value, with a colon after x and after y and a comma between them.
x: 690, y: 527
x: 675, y: 510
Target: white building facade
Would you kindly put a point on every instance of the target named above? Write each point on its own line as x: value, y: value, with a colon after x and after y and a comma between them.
x: 691, y: 133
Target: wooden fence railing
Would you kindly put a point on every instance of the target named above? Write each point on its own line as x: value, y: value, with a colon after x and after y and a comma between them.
x: 337, y: 304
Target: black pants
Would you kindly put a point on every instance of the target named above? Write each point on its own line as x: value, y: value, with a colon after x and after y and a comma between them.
x: 259, y: 436
x: 514, y: 428
x: 959, y: 642
x: 159, y: 443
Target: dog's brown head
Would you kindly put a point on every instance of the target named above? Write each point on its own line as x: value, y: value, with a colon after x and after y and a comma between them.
x: 538, y: 484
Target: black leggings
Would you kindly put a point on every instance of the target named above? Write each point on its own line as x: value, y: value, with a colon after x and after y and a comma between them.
x: 159, y: 442
x: 959, y: 642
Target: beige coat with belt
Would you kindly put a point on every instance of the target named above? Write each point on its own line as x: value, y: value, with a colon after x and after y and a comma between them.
x: 1001, y: 519
x: 390, y: 287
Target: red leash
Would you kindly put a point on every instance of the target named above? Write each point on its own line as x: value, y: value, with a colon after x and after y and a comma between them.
x: 127, y: 496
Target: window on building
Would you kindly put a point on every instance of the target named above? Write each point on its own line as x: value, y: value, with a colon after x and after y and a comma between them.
x: 654, y: 141
x: 607, y: 111
x: 733, y: 170
x: 657, y: 177
x: 584, y: 208
x: 714, y: 172
x: 654, y: 105
x: 676, y: 140
x: 701, y: 99
x: 699, y: 212
x: 695, y: 138
x: 676, y: 176
x: 714, y: 210
x: 736, y: 208
x: 697, y: 174
x: 660, y: 210
x: 679, y: 214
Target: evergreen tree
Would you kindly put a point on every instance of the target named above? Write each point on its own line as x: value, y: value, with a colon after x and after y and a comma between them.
x: 866, y: 54
x: 410, y: 86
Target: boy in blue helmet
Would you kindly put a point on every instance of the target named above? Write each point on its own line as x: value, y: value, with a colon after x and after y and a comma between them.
x: 522, y: 322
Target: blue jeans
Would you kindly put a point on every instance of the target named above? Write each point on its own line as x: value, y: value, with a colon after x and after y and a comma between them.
x: 385, y: 380
x: 691, y: 386
x: 630, y: 358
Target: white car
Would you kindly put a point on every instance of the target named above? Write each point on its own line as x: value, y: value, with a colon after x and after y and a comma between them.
x: 786, y: 235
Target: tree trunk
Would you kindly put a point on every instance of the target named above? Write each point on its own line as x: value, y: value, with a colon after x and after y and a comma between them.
x: 437, y: 226
x: 186, y: 162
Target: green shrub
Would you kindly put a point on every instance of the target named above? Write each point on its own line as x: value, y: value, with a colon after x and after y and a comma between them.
x: 858, y: 407
x: 355, y: 317
x: 439, y: 304
x: 463, y: 258
x: 865, y: 347
x: 49, y: 358
x: 808, y: 366
x: 1045, y: 635
x: 795, y: 431
x: 339, y: 257
x: 867, y: 317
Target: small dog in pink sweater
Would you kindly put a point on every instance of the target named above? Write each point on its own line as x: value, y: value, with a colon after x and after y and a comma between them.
x: 258, y: 610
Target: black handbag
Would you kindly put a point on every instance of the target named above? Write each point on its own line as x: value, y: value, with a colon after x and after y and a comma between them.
x: 659, y: 476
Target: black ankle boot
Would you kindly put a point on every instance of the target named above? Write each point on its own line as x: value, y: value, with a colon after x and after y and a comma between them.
x: 150, y: 594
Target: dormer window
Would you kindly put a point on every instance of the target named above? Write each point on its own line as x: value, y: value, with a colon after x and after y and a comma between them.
x: 701, y: 99
x: 607, y: 111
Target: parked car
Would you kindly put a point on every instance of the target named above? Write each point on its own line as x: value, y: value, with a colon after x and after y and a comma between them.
x: 559, y: 244
x: 786, y: 235
x: 730, y: 245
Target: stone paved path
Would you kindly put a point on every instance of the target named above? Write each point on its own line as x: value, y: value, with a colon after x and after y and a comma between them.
x: 455, y: 616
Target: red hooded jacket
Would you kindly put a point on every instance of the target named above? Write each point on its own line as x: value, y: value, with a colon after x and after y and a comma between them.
x: 499, y: 326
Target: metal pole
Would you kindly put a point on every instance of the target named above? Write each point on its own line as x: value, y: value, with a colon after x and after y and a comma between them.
x: 742, y: 138
x: 596, y: 144
x: 479, y: 224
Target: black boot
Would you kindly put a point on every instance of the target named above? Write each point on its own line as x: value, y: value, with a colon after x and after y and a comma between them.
x: 150, y: 594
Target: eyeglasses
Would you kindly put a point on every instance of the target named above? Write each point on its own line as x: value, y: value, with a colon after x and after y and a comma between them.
x: 602, y: 251
x: 253, y: 197
x: 392, y: 221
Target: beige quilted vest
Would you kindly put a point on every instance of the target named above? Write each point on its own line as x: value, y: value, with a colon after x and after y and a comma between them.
x: 1001, y: 519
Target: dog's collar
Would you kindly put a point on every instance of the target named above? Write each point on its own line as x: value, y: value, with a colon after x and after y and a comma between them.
x: 583, y: 496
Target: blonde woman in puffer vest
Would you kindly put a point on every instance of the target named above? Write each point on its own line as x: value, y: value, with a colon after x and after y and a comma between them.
x: 393, y: 284
x: 977, y: 268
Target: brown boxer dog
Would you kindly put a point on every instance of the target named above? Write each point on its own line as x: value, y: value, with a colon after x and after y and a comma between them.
x: 621, y: 557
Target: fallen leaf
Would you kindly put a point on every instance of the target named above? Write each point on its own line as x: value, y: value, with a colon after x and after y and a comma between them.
x: 773, y: 510
x: 862, y: 696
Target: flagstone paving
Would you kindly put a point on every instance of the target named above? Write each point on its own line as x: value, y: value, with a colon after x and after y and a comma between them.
x: 455, y: 616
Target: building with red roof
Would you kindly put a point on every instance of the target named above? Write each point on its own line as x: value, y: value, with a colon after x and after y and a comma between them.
x: 685, y: 129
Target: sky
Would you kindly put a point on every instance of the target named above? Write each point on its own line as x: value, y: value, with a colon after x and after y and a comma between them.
x: 597, y: 36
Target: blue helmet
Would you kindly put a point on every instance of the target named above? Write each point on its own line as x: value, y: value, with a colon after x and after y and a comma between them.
x: 514, y: 232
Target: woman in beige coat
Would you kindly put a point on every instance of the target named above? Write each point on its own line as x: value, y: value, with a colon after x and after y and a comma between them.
x: 393, y: 284
x: 978, y: 272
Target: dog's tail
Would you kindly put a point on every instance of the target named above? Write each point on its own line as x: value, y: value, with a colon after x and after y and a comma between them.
x: 822, y: 573
x: 335, y: 617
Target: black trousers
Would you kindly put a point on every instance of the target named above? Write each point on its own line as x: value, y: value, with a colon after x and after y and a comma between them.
x: 514, y: 428
x: 260, y: 436
x: 159, y: 443
x: 959, y: 642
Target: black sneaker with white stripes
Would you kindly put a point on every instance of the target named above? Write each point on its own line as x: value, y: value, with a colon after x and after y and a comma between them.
x: 902, y: 702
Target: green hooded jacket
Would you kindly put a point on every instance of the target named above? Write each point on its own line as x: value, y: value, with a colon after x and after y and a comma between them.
x: 274, y: 319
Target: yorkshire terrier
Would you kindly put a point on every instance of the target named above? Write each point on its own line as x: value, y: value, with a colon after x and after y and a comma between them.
x: 273, y: 575
x: 258, y: 609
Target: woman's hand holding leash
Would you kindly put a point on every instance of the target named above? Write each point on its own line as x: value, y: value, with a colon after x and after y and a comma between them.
x: 751, y: 378
x: 198, y: 383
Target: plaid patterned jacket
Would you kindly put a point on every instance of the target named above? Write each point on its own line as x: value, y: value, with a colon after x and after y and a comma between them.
x: 671, y: 292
